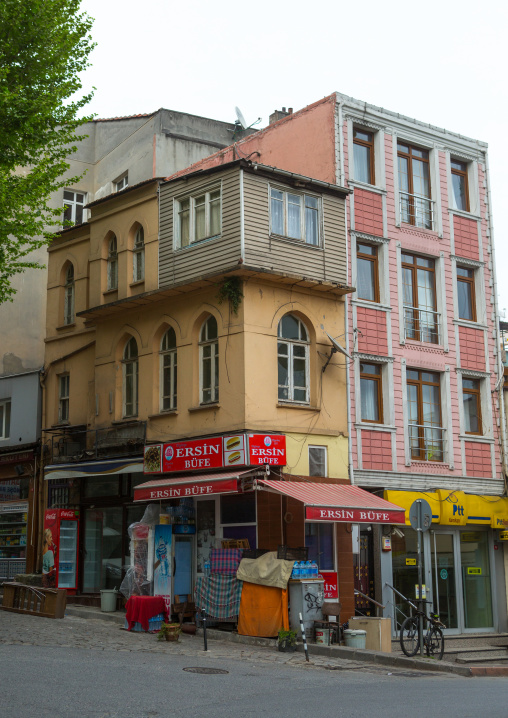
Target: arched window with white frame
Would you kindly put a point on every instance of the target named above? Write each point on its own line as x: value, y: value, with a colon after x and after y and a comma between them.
x: 112, y: 264
x: 138, y: 256
x: 209, y: 361
x: 293, y: 360
x: 69, y: 295
x: 130, y: 378
x: 168, y: 371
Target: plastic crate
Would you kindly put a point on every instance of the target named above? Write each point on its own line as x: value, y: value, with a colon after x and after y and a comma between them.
x: 254, y: 552
x: 17, y: 565
x: 293, y: 554
x: 154, y: 624
x: 4, y: 569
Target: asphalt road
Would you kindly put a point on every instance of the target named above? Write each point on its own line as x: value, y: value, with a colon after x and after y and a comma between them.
x: 88, y: 669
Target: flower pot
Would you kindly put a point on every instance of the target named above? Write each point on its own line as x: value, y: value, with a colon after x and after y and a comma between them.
x: 285, y: 647
x: 172, y: 636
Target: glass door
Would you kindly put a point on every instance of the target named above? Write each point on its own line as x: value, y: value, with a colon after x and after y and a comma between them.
x: 102, y: 564
x: 68, y: 553
x: 182, y: 566
x: 445, y: 578
x: 476, y: 579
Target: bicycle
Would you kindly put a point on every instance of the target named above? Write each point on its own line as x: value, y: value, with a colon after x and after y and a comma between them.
x: 433, y: 639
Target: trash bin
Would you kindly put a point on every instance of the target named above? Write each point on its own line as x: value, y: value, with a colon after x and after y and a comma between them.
x: 355, y: 639
x: 108, y: 600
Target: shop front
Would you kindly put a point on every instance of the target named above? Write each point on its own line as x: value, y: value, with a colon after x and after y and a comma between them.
x: 16, y: 516
x: 463, y: 559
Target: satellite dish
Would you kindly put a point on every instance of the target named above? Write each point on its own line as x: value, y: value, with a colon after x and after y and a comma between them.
x: 336, y: 347
x: 240, y: 118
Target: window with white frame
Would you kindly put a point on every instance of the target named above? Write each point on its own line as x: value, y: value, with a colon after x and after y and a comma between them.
x: 63, y: 398
x: 209, y: 361
x: 121, y: 183
x: 168, y: 365
x: 69, y: 295
x: 5, y: 418
x: 112, y: 264
x: 318, y: 461
x: 426, y: 433
x: 371, y: 392
x: 295, y: 215
x: 138, y: 256
x: 198, y: 216
x: 130, y: 378
x: 460, y: 184
x: 471, y: 402
x: 293, y: 360
x: 74, y: 203
x: 363, y: 155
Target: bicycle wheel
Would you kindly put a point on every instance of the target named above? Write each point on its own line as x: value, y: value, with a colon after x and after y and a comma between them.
x: 434, y: 643
x: 409, y: 636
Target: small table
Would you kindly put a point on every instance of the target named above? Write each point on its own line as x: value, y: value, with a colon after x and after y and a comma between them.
x: 140, y: 609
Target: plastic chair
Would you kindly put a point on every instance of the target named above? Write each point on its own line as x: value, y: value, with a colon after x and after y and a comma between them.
x: 328, y: 609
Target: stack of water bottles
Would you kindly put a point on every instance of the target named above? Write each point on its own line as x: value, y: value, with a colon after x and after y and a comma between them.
x: 305, y: 570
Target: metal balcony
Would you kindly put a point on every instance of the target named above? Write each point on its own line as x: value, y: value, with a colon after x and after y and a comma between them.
x: 416, y: 209
x: 427, y: 442
x: 422, y: 325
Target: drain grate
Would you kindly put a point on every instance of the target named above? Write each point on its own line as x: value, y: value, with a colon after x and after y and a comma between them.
x: 209, y: 671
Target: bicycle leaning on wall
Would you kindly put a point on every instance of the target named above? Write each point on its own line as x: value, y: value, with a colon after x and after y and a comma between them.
x: 433, y: 639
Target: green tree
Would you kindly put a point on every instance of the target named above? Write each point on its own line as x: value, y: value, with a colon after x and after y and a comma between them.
x: 44, y: 45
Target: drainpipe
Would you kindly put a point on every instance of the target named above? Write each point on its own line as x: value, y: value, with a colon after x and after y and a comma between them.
x: 502, y: 418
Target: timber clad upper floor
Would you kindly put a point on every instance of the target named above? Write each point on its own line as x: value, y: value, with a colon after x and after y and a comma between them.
x: 253, y: 218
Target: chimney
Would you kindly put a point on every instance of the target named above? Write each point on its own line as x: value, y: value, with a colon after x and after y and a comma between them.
x: 279, y: 114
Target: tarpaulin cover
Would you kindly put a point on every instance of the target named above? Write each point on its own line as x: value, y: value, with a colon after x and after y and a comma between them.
x: 263, y: 611
x: 267, y: 570
x: 219, y: 596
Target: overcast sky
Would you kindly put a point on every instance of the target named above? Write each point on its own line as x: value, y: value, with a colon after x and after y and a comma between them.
x: 441, y: 62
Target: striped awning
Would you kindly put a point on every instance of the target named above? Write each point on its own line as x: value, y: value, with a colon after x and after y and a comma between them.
x: 181, y: 486
x: 337, y: 502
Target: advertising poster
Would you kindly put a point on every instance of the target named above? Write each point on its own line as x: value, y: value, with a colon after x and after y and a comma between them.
x: 162, y: 569
x: 49, y: 549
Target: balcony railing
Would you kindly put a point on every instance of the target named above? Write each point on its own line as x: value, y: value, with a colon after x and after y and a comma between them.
x: 75, y: 444
x: 427, y: 442
x: 421, y: 325
x: 417, y: 210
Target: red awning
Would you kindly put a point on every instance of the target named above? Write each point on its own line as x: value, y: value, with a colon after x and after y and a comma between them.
x: 337, y: 502
x: 178, y: 487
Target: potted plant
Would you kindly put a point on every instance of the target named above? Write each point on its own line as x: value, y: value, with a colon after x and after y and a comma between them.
x: 286, y: 640
x: 169, y: 632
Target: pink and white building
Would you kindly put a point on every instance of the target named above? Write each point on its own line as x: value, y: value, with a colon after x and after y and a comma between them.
x: 425, y: 420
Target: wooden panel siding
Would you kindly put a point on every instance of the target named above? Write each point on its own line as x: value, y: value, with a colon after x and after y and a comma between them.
x: 285, y: 255
x: 208, y: 256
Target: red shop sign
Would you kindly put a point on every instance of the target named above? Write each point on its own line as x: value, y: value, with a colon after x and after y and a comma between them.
x: 331, y: 587
x: 175, y: 491
x: 194, y: 454
x: 355, y: 516
x: 267, y: 449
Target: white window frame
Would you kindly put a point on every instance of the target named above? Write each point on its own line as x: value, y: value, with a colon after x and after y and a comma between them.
x: 73, y: 204
x: 291, y: 344
x: 379, y: 153
x: 122, y: 182
x: 130, y: 364
x: 302, y: 195
x: 168, y: 362
x: 69, y: 294
x: 472, y: 184
x: 5, y: 419
x: 191, y: 198
x: 112, y: 264
x: 485, y: 405
x: 212, y: 342
x: 63, y: 398
x: 138, y: 256
x: 323, y: 460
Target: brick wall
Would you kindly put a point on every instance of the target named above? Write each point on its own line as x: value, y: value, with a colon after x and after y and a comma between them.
x: 472, y: 348
x: 368, y: 212
x: 478, y: 459
x: 377, y: 450
x: 465, y: 233
x: 372, y: 325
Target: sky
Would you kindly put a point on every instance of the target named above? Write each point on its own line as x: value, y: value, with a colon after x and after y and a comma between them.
x: 441, y: 62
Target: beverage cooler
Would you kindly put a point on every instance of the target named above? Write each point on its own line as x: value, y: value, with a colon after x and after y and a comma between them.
x: 60, y: 549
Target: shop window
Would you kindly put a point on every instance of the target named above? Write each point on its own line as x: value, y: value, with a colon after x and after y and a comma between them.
x: 471, y: 398
x: 295, y: 215
x: 466, y: 294
x: 363, y: 157
x: 63, y: 398
x: 367, y: 272
x: 205, y: 531
x: 209, y: 361
x: 371, y: 393
x: 69, y: 295
x: 130, y: 378
x: 318, y: 461
x: 112, y: 264
x: 293, y: 360
x: 319, y: 541
x: 238, y: 508
x: 138, y: 256
x: 168, y: 368
x: 5, y: 418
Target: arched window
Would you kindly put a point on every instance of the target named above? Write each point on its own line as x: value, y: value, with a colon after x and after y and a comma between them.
x: 112, y: 264
x: 209, y: 361
x: 168, y: 370
x: 293, y: 360
x: 130, y: 378
x: 69, y: 295
x: 138, y: 256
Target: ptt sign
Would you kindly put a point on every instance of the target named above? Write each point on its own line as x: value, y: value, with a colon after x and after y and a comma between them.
x: 458, y: 510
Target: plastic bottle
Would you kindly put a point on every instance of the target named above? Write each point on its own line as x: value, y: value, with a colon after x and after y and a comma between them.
x: 315, y: 570
x: 308, y: 570
x: 295, y: 571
